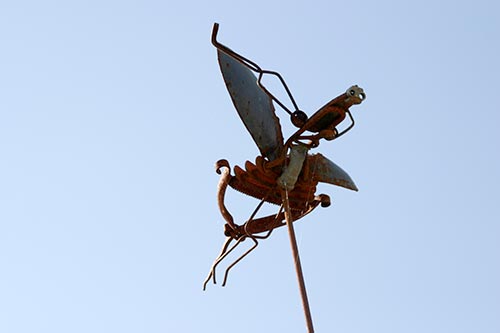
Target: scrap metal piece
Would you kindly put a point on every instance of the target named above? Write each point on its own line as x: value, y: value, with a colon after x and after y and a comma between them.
x: 326, y: 171
x: 258, y: 181
x: 291, y: 171
x: 254, y: 106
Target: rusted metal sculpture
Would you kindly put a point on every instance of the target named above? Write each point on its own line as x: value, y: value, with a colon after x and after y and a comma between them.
x: 285, y: 173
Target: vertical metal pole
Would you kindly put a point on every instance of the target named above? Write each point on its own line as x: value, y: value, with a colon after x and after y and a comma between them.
x: 296, y: 258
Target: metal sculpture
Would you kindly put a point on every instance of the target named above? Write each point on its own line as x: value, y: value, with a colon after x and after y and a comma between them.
x: 285, y: 173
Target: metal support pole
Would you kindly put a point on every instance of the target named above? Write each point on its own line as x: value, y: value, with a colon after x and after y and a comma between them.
x: 298, y: 266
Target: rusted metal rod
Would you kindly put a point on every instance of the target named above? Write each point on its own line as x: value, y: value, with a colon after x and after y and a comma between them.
x: 298, y: 266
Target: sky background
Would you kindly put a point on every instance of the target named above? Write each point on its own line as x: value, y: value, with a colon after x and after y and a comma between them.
x: 112, y: 114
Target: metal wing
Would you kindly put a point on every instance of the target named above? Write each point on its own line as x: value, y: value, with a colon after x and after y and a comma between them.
x: 253, y: 105
x: 326, y: 171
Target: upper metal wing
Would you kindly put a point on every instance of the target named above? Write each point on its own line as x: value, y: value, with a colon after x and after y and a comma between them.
x: 253, y: 105
x: 326, y: 171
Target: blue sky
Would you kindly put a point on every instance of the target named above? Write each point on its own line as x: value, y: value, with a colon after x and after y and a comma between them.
x: 112, y: 114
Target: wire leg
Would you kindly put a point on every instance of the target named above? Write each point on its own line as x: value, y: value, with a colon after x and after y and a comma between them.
x: 238, y: 260
x: 217, y: 260
x: 252, y: 237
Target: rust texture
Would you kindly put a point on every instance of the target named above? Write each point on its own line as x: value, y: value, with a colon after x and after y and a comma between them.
x: 266, y: 178
x: 285, y: 173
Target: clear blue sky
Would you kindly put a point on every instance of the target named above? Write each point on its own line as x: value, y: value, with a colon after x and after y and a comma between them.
x: 112, y: 114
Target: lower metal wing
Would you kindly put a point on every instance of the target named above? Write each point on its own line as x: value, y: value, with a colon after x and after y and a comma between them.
x: 325, y: 171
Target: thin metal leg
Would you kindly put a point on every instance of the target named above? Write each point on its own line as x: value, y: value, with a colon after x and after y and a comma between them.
x: 238, y: 260
x: 216, y: 262
x: 249, y: 235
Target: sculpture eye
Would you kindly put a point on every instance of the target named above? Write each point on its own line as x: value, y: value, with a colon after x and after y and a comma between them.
x: 352, y: 92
